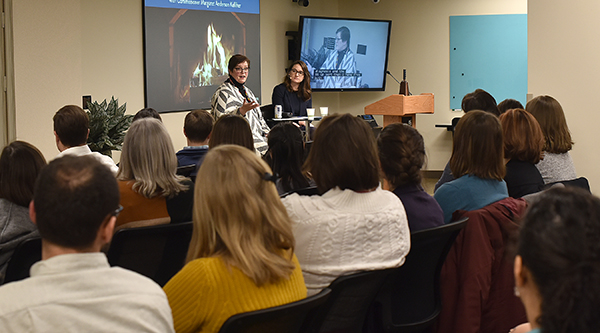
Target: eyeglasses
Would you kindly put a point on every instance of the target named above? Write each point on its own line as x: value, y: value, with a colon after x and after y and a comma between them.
x: 239, y: 69
x: 295, y: 72
x: 117, y: 211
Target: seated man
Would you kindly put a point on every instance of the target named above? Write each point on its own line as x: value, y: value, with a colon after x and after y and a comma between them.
x: 71, y: 130
x: 197, y: 127
x: 73, y: 288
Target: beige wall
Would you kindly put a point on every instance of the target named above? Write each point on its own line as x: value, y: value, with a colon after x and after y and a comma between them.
x: 68, y: 48
x: 564, y: 58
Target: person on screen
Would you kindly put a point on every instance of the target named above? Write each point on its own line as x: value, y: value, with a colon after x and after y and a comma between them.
x: 342, y: 58
x: 234, y: 97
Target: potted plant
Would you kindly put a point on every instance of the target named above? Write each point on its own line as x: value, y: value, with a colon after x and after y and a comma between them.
x: 108, y: 124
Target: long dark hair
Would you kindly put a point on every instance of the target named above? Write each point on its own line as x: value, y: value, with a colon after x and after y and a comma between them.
x: 286, y: 155
x: 304, y: 90
x: 559, y: 244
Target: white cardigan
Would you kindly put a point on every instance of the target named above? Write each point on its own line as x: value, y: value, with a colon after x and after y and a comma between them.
x: 344, y: 232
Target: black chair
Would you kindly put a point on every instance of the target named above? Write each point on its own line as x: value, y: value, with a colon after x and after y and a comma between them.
x: 157, y: 252
x: 409, y: 300
x: 25, y: 255
x: 186, y: 170
x: 268, y: 112
x: 347, y: 306
x: 580, y: 182
x: 284, y: 318
x: 312, y: 190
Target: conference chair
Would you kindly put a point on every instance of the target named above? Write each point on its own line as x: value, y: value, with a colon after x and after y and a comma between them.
x: 27, y: 253
x: 311, y: 190
x: 409, y: 300
x: 287, y: 318
x: 346, y: 308
x: 157, y: 252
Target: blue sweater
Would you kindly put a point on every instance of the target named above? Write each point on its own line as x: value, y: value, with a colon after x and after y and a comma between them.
x: 469, y: 193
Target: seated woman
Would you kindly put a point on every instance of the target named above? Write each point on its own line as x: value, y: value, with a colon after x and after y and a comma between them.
x: 402, y: 154
x: 557, y: 267
x: 557, y: 164
x: 285, y: 157
x: 241, y: 256
x: 150, y: 189
x: 231, y: 129
x: 523, y: 142
x: 294, y: 94
x: 354, y: 225
x: 20, y: 164
x: 477, y: 162
x: 233, y: 97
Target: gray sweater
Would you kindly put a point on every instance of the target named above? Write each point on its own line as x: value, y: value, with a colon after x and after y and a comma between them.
x: 15, y: 227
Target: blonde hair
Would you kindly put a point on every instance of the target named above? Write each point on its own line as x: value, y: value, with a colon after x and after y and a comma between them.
x: 239, y: 217
x: 148, y: 159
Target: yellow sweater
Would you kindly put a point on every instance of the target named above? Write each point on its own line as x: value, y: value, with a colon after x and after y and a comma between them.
x: 205, y: 293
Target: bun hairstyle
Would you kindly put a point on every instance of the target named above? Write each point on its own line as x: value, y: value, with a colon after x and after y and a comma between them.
x: 402, y: 154
x: 559, y: 244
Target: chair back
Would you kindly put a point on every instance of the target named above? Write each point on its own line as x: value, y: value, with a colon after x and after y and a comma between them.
x: 27, y: 253
x: 580, y: 182
x: 157, y: 252
x: 284, y: 318
x: 409, y: 300
x: 186, y: 170
x: 347, y: 306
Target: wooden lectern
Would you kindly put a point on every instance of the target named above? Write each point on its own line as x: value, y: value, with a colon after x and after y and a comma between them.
x: 395, y: 107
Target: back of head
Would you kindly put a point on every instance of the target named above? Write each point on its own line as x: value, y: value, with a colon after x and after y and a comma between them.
x: 20, y: 164
x: 231, y: 129
x: 71, y: 124
x: 286, y: 147
x: 508, y: 104
x: 559, y: 244
x: 551, y: 118
x: 478, y: 147
x: 197, y: 125
x: 147, y: 113
x: 344, y: 155
x: 148, y: 158
x: 239, y: 217
x: 523, y: 137
x: 402, y: 154
x: 73, y: 196
x: 480, y: 100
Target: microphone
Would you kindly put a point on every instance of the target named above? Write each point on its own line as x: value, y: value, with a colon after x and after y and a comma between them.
x: 390, y: 74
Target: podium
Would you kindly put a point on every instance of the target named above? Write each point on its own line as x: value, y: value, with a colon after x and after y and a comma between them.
x: 400, y: 108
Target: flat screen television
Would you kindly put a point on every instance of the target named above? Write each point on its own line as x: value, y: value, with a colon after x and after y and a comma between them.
x: 345, y: 54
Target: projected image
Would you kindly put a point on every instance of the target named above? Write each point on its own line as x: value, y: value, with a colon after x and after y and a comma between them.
x: 187, y: 52
x: 344, y: 53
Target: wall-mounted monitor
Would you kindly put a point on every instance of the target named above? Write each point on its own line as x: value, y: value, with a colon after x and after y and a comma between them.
x: 345, y: 54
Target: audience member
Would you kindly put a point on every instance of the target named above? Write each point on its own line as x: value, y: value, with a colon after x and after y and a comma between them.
x: 233, y: 97
x: 241, y: 256
x: 285, y: 157
x: 73, y: 288
x: 197, y: 127
x: 71, y: 130
x: 476, y: 100
x: 557, y: 267
x: 557, y: 164
x: 20, y: 164
x: 478, y: 163
x: 508, y: 104
x: 147, y: 113
x: 149, y: 186
x: 354, y: 225
x: 523, y: 142
x: 402, y: 155
x: 231, y: 130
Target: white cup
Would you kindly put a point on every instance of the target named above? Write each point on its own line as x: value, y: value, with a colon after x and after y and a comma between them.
x: 324, y: 111
x: 310, y: 113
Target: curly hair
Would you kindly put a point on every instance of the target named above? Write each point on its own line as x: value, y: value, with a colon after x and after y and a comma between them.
x: 559, y: 244
x: 402, y: 154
